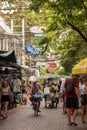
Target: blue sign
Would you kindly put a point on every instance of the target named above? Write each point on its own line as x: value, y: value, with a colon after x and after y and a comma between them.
x: 38, y: 35
x: 32, y: 50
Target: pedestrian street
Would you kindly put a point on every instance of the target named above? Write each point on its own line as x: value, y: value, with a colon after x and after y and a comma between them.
x: 23, y: 118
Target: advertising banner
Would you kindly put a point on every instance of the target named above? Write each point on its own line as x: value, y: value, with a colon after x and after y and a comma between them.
x: 52, y: 66
x: 32, y: 50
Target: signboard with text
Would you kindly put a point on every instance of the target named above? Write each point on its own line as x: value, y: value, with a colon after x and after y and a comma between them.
x: 52, y: 66
x: 32, y: 50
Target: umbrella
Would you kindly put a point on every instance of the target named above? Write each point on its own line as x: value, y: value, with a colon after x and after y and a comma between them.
x: 48, y: 76
x: 80, y: 68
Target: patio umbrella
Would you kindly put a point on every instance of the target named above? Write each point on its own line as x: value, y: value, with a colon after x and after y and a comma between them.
x: 80, y: 68
x: 48, y: 76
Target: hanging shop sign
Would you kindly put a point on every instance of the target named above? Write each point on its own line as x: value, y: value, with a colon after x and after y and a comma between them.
x: 37, y: 29
x: 52, y: 66
x: 32, y: 49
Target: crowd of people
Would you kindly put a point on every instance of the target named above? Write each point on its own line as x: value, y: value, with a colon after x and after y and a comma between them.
x: 12, y: 91
x: 74, y: 94
x: 71, y: 92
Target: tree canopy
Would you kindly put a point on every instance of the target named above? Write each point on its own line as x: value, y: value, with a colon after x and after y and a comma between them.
x: 66, y: 27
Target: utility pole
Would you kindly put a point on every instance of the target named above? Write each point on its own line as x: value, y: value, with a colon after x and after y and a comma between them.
x: 22, y: 38
x: 0, y: 5
x: 23, y: 43
x: 22, y: 31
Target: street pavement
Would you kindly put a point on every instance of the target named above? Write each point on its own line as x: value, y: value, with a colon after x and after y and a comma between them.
x: 23, y: 118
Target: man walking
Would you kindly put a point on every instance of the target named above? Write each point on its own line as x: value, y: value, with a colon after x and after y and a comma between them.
x: 71, y: 93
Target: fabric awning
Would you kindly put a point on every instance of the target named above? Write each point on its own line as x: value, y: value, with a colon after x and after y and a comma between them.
x: 8, y: 57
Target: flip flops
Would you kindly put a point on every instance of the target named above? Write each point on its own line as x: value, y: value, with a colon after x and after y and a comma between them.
x: 72, y: 124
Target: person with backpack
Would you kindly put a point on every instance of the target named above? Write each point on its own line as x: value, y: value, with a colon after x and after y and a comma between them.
x: 72, y: 94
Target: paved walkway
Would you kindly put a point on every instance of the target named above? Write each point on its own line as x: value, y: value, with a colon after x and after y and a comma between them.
x: 22, y: 118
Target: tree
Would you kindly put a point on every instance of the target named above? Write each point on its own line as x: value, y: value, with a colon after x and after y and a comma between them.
x: 66, y: 28
x: 66, y: 22
x: 17, y: 10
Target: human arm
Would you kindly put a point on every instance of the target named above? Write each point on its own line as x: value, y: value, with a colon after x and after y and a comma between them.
x: 77, y: 93
x: 85, y: 89
x: 10, y: 92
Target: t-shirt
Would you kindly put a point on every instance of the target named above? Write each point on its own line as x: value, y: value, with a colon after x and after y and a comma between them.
x: 16, y: 85
x: 73, y: 94
x: 62, y: 88
x: 34, y: 90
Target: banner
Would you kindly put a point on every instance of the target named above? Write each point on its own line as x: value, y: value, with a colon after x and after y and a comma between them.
x: 32, y: 50
x: 52, y: 66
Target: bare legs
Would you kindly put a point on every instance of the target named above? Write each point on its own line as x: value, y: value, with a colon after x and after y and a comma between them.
x: 69, y: 115
x: 5, y: 109
x: 73, y: 115
x: 86, y: 114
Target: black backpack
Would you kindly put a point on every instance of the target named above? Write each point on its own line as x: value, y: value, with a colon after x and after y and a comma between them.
x: 69, y: 87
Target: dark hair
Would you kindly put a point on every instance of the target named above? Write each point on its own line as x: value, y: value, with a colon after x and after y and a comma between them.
x: 3, y: 83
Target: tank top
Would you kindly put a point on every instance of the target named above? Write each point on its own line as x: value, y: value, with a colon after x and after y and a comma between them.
x: 82, y: 89
x: 5, y: 91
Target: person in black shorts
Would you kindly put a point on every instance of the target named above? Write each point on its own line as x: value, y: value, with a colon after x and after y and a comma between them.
x: 71, y: 93
x: 5, y: 92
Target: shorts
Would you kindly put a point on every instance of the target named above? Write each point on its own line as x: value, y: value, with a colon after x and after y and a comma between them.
x: 0, y: 106
x: 84, y: 99
x: 72, y: 102
x: 5, y: 98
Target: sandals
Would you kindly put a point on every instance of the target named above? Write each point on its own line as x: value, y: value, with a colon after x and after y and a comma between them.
x: 65, y: 112
x: 83, y: 122
x: 72, y: 124
x: 4, y: 118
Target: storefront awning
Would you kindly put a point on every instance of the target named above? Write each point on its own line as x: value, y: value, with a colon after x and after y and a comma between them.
x: 8, y: 57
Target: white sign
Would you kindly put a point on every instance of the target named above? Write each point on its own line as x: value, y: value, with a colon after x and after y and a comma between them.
x: 37, y: 29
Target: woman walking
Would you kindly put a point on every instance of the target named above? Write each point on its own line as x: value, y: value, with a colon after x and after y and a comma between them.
x: 83, y: 94
x: 85, y: 99
x: 5, y: 92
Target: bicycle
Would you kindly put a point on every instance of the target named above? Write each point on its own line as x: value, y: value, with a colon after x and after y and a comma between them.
x: 36, y: 103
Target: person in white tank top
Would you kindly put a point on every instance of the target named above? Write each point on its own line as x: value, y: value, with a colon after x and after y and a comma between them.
x: 5, y: 92
x: 83, y: 101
